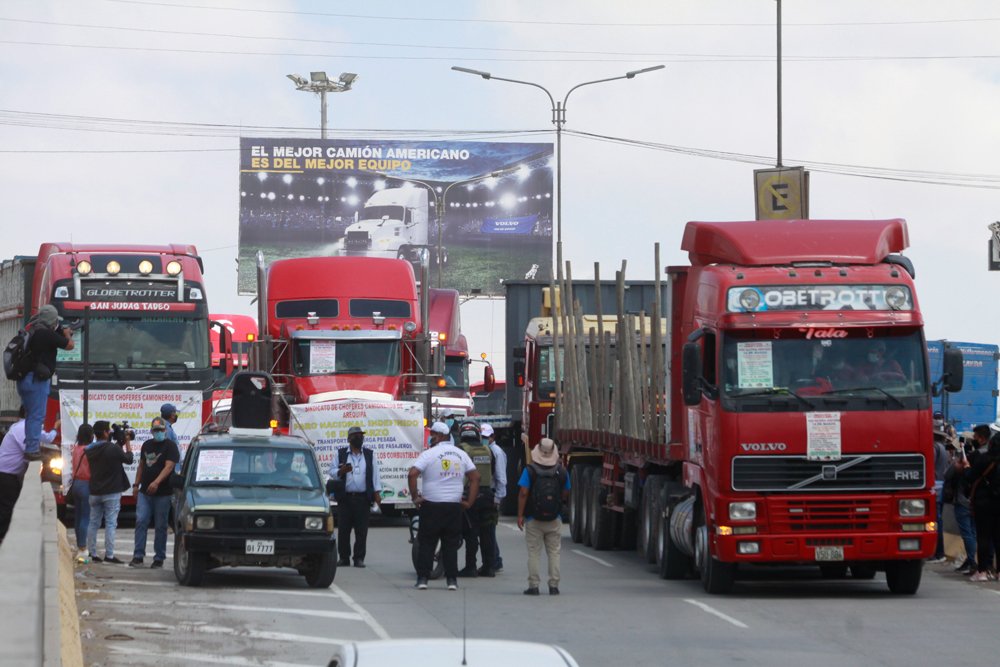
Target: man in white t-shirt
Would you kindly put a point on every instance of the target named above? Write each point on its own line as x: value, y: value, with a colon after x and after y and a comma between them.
x: 443, y: 469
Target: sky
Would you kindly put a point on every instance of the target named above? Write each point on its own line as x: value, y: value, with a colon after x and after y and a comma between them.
x: 905, y: 91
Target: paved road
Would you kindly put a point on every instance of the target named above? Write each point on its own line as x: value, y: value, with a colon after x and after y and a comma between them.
x: 613, y: 611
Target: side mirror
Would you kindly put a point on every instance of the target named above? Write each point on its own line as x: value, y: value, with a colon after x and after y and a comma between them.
x: 176, y: 482
x: 489, y: 379
x: 519, y: 373
x: 691, y: 373
x: 954, y: 369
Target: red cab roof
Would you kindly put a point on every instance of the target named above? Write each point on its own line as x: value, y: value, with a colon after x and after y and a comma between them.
x: 336, y: 277
x: 771, y: 242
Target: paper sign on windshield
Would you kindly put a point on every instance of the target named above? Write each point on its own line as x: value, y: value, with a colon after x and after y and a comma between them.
x: 322, y: 357
x: 823, y: 436
x: 214, y: 465
x: 756, y: 366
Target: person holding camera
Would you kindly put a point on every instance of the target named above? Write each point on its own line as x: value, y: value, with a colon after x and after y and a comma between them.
x: 356, y: 484
x: 157, y: 459
x: 107, y: 458
x: 46, y: 339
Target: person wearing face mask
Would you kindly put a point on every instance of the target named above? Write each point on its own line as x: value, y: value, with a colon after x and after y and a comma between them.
x: 356, y: 484
x: 877, y: 364
x: 157, y: 459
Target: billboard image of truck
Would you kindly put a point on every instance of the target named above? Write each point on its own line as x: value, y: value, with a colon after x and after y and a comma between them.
x: 393, y: 223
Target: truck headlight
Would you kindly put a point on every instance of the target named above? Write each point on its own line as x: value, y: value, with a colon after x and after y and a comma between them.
x: 743, y: 511
x: 912, y: 507
x: 314, y: 523
x: 56, y: 465
x: 205, y: 522
x: 750, y: 299
x: 895, y: 298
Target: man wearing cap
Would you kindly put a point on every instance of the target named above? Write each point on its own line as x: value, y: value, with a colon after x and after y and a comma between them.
x: 46, y: 339
x: 157, y: 459
x: 544, y: 472
x: 356, y: 485
x: 499, y: 490
x: 443, y: 468
x: 168, y: 411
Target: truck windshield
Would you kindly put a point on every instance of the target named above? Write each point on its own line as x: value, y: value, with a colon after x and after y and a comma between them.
x: 391, y: 212
x: 143, y: 342
x: 346, y: 357
x: 547, y: 370
x: 455, y: 373
x: 255, y: 466
x: 825, y: 369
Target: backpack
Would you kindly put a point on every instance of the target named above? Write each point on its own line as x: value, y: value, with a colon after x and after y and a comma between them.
x: 547, y: 484
x: 17, y: 358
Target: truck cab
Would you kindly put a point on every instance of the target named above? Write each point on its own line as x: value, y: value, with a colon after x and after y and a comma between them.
x: 451, y: 391
x: 392, y: 224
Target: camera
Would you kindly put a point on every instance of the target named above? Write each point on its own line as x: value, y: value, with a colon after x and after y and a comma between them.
x: 75, y: 325
x: 121, y: 433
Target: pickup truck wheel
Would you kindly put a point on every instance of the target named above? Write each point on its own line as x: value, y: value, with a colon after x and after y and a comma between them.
x: 673, y: 563
x: 189, y: 566
x: 717, y: 577
x: 903, y: 576
x: 863, y: 571
x: 576, y: 512
x: 833, y: 571
x: 587, y: 505
x: 321, y: 570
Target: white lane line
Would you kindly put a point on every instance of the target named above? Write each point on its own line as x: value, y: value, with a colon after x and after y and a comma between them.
x: 376, y: 627
x: 512, y: 526
x: 197, y: 658
x: 715, y: 612
x: 319, y: 613
x: 221, y: 630
x: 128, y: 582
x: 593, y: 558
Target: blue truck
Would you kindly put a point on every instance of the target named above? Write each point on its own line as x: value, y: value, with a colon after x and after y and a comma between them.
x: 977, y: 402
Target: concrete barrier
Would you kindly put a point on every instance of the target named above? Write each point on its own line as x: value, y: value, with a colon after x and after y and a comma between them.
x: 40, y: 627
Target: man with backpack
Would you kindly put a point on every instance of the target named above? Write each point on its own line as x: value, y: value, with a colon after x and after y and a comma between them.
x: 481, y: 518
x: 544, y: 490
x: 33, y: 370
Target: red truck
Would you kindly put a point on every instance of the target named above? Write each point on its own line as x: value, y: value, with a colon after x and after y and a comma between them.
x: 779, y: 414
x: 145, y: 341
x: 451, y: 391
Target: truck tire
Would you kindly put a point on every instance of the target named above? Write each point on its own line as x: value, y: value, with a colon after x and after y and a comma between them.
x: 603, y: 536
x: 833, y: 571
x: 865, y: 572
x: 903, y: 576
x: 654, y: 511
x: 642, y: 519
x: 673, y: 563
x: 576, y: 512
x: 627, y: 530
x: 717, y: 577
x: 587, y: 504
x: 515, y: 466
x: 189, y: 566
x: 322, y: 570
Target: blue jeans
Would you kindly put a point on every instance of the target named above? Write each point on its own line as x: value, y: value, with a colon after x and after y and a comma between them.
x: 157, y: 509
x: 963, y: 517
x: 81, y: 511
x: 103, y: 507
x: 34, y: 394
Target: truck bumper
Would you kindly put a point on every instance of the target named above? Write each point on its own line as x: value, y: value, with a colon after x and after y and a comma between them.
x: 825, y: 548
x: 283, y: 546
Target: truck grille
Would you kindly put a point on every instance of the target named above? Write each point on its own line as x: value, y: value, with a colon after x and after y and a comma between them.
x: 357, y: 240
x: 809, y: 515
x: 872, y: 472
x: 273, y: 522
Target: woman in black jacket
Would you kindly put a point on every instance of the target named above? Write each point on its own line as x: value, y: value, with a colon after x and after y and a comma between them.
x: 984, y: 479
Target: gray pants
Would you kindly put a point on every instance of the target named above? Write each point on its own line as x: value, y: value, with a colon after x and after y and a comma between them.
x: 537, y: 533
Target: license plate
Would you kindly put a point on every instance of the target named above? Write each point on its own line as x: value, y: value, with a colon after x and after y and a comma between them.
x: 260, y: 547
x: 823, y: 553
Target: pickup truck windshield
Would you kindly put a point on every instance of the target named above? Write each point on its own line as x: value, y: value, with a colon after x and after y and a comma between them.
x: 255, y: 466
x: 143, y: 342
x: 347, y: 357
x: 835, y: 369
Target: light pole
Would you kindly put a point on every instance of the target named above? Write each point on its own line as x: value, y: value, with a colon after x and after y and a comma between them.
x: 558, y: 119
x: 321, y: 84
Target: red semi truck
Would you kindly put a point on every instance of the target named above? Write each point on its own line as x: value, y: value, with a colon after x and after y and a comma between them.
x: 145, y: 343
x: 783, y: 418
x: 450, y: 392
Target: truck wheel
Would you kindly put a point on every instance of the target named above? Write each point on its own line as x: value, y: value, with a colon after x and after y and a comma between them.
x: 642, y: 520
x: 603, y: 536
x: 576, y: 512
x: 717, y: 577
x: 587, y: 504
x: 903, y: 576
x: 189, y: 566
x: 322, y: 570
x: 833, y: 571
x: 673, y: 563
x: 863, y: 571
x: 654, y: 510
x: 514, y: 469
x: 403, y: 252
x: 628, y: 530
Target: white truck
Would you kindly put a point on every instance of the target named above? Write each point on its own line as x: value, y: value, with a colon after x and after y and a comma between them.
x: 393, y: 223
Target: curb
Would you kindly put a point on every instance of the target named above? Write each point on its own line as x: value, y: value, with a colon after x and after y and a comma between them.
x: 62, y: 618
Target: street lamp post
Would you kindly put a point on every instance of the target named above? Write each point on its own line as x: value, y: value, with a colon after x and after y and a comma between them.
x: 321, y: 84
x: 558, y: 119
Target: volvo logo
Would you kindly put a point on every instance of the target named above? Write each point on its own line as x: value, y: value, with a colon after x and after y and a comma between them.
x: 829, y: 473
x: 763, y: 446
x: 259, y: 523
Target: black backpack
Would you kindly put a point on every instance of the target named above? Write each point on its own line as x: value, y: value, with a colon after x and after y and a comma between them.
x: 17, y: 358
x: 547, y: 484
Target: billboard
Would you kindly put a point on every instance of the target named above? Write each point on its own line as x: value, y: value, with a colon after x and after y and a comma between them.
x: 480, y: 211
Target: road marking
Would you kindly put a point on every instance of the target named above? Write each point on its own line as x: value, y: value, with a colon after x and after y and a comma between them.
x: 512, y: 526
x: 593, y: 558
x: 320, y: 613
x: 376, y: 627
x: 220, y: 630
x: 195, y: 658
x: 715, y: 612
